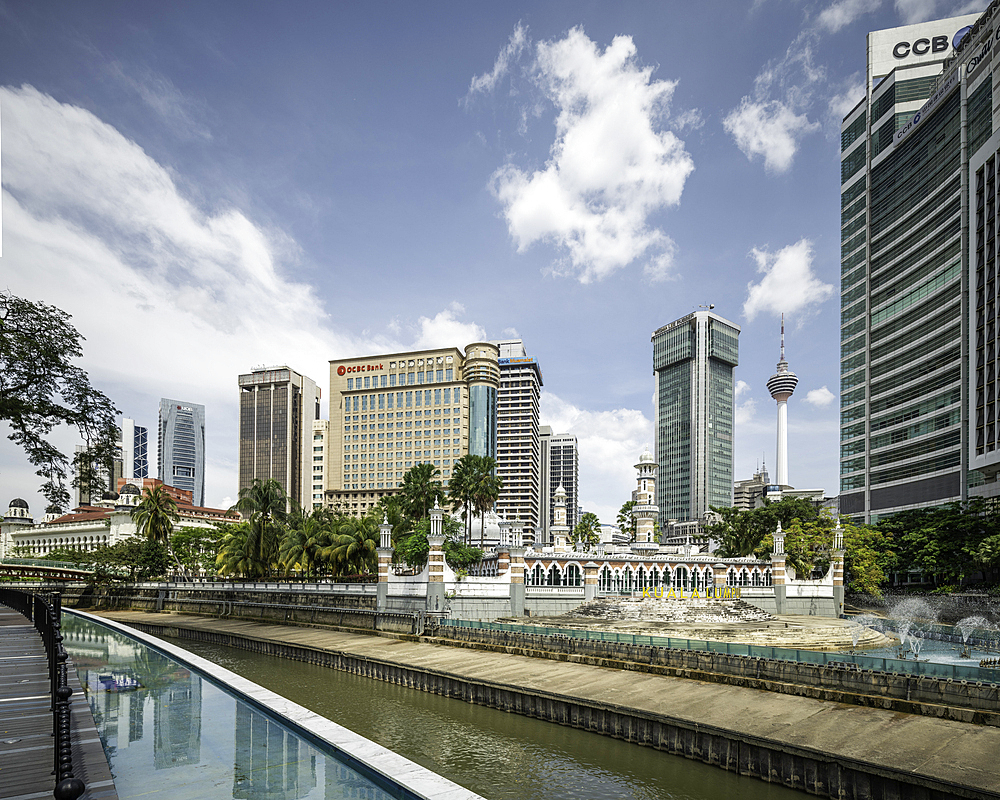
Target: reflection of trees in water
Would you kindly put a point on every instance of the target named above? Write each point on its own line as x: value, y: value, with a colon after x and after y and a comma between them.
x: 156, y: 672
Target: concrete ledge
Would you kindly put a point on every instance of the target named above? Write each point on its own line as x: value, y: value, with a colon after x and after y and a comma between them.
x: 418, y: 781
x: 824, y: 748
x: 963, y: 701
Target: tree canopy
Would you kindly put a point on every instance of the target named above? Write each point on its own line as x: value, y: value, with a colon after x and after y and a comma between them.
x: 41, y: 388
x: 587, y: 530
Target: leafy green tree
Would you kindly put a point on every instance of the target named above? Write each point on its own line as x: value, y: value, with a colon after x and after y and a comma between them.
x: 484, y: 489
x: 421, y: 490
x: 155, y: 516
x: 264, y: 506
x: 40, y: 388
x: 134, y: 559
x: 412, y: 549
x: 197, y: 548
x: 869, y: 557
x: 587, y: 530
x: 390, y: 507
x: 944, y: 542
x: 739, y: 533
x: 626, y: 522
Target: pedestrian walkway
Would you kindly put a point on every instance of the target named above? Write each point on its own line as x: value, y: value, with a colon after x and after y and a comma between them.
x: 26, y: 742
x: 922, y: 748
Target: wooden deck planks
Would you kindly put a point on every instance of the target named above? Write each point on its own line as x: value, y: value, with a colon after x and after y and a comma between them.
x: 26, y: 743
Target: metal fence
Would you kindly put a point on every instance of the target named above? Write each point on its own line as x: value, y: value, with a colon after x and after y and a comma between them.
x: 45, y: 612
x: 817, y: 657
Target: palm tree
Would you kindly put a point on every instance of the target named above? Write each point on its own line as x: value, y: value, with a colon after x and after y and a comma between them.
x: 264, y: 505
x: 484, y: 487
x: 460, y: 490
x: 234, y: 556
x: 353, y: 546
x: 303, y: 543
x: 421, y: 490
x: 155, y: 516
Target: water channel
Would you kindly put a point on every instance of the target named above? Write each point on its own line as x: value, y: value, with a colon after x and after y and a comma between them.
x: 496, y: 754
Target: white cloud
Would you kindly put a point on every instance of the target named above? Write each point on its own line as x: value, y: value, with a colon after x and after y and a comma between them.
x: 912, y: 11
x: 789, y: 284
x: 741, y: 388
x: 820, y: 397
x: 611, y: 163
x: 841, y: 103
x: 745, y: 412
x: 177, y: 111
x: 610, y: 444
x: 769, y: 129
x: 487, y: 82
x: 844, y: 12
x: 444, y: 330
x: 174, y: 300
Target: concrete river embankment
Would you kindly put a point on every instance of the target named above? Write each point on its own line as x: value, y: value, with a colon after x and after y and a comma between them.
x: 826, y: 748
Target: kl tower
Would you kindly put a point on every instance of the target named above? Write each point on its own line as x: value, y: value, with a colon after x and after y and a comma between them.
x: 781, y: 385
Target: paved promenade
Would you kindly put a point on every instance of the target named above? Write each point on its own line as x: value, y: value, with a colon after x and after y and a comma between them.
x: 940, y: 751
x: 26, y: 743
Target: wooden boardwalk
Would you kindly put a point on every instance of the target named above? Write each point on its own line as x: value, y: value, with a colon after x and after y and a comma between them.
x: 26, y: 743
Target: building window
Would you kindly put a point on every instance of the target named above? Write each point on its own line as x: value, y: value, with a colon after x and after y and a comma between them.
x: 350, y: 384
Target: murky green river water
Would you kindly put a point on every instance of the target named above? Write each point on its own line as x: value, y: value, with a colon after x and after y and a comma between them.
x: 496, y: 754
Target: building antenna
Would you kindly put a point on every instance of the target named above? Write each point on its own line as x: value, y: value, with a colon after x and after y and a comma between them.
x: 782, y: 336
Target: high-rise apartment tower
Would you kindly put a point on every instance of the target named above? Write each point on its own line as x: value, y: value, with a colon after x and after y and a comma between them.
x: 693, y: 361
x: 518, y: 443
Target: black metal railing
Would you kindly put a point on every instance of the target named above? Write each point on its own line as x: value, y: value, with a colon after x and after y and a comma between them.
x: 45, y: 612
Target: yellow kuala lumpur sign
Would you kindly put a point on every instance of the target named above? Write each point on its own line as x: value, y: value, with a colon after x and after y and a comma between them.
x: 715, y: 593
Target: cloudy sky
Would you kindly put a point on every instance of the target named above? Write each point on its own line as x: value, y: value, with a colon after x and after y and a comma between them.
x: 207, y: 187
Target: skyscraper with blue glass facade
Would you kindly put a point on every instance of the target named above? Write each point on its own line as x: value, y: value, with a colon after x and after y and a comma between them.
x: 181, y: 447
x: 693, y: 361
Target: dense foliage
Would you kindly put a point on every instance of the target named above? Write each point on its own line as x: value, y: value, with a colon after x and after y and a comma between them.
x: 947, y: 544
x: 41, y: 388
x: 587, y: 530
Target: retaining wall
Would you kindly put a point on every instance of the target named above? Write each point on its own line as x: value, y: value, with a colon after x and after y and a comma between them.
x: 336, y: 610
x: 964, y: 701
x: 819, y: 773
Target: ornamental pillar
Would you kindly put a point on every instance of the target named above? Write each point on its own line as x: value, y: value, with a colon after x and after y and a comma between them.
x: 435, y: 564
x: 590, y: 570
x: 517, y: 581
x: 778, y: 571
x: 838, y: 570
x: 384, y: 551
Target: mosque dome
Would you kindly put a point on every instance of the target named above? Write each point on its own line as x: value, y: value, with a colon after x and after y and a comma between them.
x: 128, y: 488
x: 17, y: 502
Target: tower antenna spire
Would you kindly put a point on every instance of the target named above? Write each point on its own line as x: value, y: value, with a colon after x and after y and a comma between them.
x: 782, y: 336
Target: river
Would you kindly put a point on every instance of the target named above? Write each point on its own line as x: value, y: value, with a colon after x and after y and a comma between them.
x: 496, y: 754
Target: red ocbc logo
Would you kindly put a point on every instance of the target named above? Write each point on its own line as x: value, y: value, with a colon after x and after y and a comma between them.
x: 342, y: 370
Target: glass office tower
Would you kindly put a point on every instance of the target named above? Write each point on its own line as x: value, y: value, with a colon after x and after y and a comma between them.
x: 181, y: 447
x: 693, y: 361
x: 903, y: 216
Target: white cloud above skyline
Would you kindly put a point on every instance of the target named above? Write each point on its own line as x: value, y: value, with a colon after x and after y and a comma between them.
x: 612, y: 162
x: 610, y: 443
x: 788, y: 285
x: 820, y: 398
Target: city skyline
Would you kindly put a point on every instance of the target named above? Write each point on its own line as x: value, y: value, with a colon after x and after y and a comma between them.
x: 336, y: 182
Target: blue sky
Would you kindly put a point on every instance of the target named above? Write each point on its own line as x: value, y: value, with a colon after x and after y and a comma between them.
x: 207, y: 187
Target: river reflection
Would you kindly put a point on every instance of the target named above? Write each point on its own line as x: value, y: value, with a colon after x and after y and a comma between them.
x: 496, y: 754
x: 170, y: 734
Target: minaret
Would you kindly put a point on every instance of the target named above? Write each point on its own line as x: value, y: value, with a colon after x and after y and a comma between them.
x: 781, y: 385
x: 645, y: 511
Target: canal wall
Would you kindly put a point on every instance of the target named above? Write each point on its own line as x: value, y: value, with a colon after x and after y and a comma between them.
x: 276, y: 606
x: 826, y: 749
x: 974, y: 702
